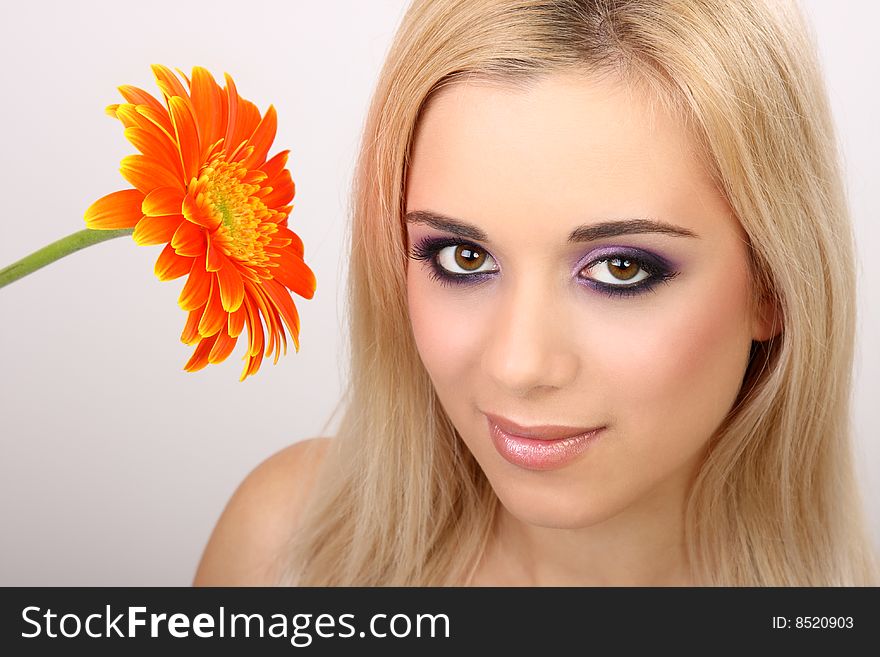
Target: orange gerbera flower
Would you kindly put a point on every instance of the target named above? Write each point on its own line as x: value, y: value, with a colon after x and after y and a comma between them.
x: 204, y: 188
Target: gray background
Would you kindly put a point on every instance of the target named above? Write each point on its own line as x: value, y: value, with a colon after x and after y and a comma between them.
x: 114, y: 462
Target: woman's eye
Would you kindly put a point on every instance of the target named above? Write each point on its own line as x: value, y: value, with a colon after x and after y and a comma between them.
x: 618, y: 271
x: 613, y: 274
x: 464, y: 259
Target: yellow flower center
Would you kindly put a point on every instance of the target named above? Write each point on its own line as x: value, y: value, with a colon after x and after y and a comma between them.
x: 232, y: 194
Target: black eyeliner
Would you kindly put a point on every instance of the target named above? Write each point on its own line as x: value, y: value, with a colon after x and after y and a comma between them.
x: 427, y: 250
x: 659, y: 269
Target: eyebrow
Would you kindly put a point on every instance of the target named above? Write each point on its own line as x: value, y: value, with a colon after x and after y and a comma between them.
x: 585, y: 233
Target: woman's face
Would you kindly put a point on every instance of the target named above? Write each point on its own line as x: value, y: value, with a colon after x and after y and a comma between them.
x: 571, y: 263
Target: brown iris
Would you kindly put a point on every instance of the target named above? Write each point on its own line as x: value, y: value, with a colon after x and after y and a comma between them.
x: 469, y: 258
x: 622, y: 269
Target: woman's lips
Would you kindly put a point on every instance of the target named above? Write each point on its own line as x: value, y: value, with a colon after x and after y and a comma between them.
x: 539, y: 448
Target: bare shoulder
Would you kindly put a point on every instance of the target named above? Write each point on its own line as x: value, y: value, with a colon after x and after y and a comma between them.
x: 259, y: 517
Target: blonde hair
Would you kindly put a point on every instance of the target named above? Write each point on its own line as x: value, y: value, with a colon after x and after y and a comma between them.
x: 401, y: 501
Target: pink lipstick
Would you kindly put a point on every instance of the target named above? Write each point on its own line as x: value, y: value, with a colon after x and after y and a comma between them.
x: 541, y: 447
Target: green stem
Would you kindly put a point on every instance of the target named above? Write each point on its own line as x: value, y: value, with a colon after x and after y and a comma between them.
x: 56, y: 250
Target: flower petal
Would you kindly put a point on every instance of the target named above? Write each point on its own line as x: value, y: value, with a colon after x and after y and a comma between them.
x: 231, y: 286
x: 155, y: 147
x: 274, y: 165
x: 254, y: 177
x: 185, y: 79
x: 197, y: 287
x: 197, y: 213
x: 156, y: 230
x: 235, y: 323
x: 231, y: 112
x: 262, y: 139
x: 137, y: 96
x: 169, y: 265
x: 247, y: 120
x: 283, y: 191
x: 242, y: 118
x: 285, y: 238
x: 120, y: 209
x: 282, y: 300
x: 252, y: 366
x: 241, y: 153
x: 168, y: 82
x: 163, y: 201
x: 190, y: 334
x: 207, y: 104
x: 161, y: 121
x: 213, y: 316
x: 270, y: 316
x: 214, y: 257
x: 224, y: 123
x: 222, y: 348
x: 292, y: 272
x: 136, y: 116
x: 189, y: 239
x: 187, y: 134
x: 199, y: 359
x: 254, y: 326
x: 146, y: 173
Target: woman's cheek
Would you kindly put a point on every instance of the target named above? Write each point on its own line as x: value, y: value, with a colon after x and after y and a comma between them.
x: 675, y: 374
x: 445, y: 339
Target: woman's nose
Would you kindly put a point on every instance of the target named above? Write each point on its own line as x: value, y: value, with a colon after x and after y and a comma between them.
x: 529, y: 344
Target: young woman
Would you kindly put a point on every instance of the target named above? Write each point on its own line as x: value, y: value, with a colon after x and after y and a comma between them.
x: 601, y: 315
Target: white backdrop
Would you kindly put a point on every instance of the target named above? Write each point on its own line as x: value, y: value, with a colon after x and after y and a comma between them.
x: 114, y: 462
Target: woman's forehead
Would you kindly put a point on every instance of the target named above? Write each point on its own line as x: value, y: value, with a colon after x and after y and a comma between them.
x: 566, y: 149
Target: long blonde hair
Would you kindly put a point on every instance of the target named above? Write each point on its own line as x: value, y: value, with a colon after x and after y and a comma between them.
x: 401, y: 501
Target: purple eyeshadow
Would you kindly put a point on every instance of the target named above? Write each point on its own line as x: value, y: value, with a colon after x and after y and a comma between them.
x: 660, y: 270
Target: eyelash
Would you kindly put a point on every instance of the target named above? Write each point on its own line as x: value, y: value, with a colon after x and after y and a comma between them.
x: 428, y: 249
